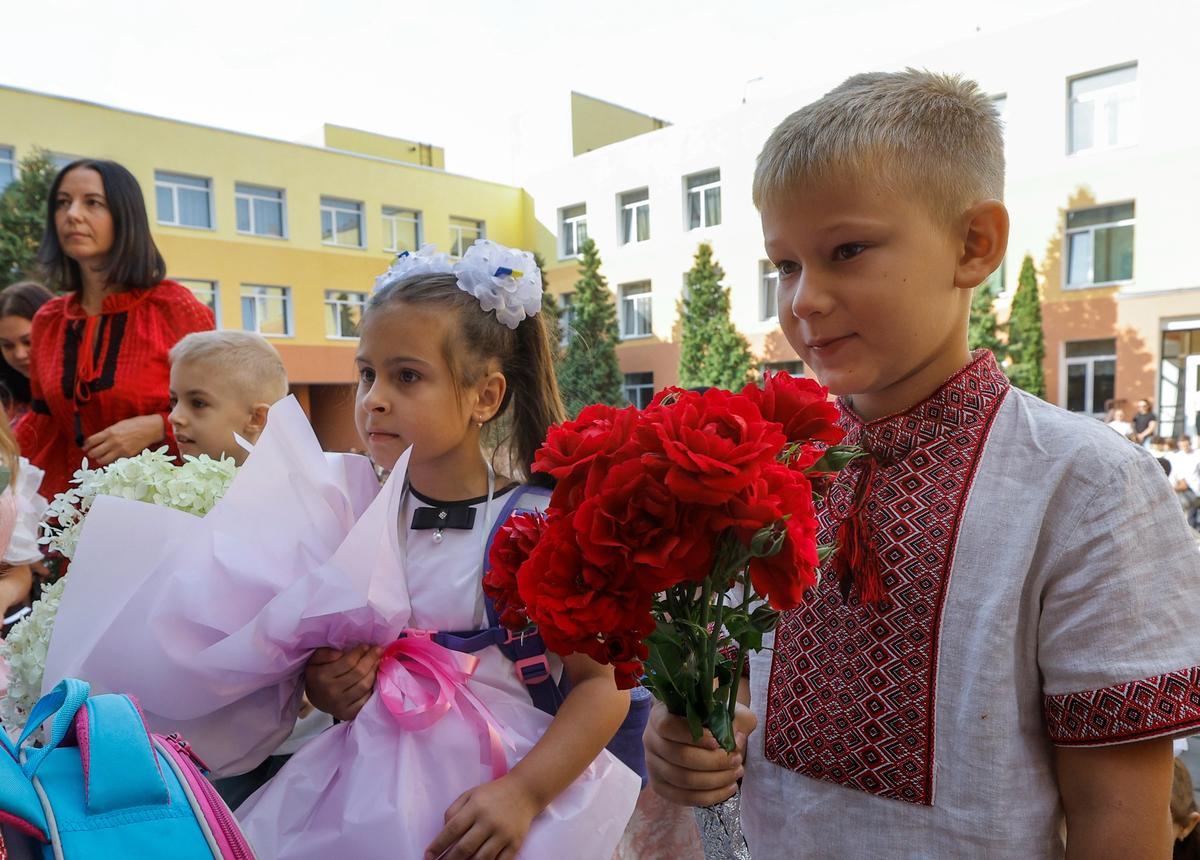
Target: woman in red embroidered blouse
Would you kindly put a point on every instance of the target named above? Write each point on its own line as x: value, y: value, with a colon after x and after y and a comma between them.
x: 99, y: 372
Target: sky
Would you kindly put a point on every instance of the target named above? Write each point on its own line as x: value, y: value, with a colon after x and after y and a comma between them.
x: 454, y: 72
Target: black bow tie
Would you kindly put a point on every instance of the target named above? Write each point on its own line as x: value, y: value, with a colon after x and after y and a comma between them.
x: 444, y: 518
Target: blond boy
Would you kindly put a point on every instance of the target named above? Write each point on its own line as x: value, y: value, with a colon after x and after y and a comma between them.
x: 223, y: 383
x: 1036, y: 644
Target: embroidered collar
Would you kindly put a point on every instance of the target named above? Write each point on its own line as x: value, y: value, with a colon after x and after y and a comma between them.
x: 968, y: 396
x: 114, y: 303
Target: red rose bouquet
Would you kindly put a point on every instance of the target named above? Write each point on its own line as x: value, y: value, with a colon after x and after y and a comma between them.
x: 674, y: 537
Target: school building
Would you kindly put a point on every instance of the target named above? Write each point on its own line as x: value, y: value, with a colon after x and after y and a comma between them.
x: 286, y: 238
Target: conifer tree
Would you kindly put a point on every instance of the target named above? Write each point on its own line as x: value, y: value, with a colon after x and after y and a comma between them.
x: 983, y: 330
x: 1026, y: 343
x: 712, y: 352
x: 23, y: 217
x: 589, y: 372
x: 550, y: 313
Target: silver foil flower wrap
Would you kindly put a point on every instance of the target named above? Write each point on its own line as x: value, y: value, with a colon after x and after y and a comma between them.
x: 721, y: 830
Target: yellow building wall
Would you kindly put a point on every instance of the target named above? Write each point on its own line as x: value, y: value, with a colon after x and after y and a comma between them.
x: 300, y: 261
x: 382, y: 146
x: 596, y: 123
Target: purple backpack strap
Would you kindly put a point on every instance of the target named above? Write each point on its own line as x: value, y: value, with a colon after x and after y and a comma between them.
x: 527, y: 652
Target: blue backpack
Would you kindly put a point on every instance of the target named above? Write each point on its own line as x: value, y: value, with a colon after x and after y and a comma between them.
x: 528, y: 654
x: 104, y: 787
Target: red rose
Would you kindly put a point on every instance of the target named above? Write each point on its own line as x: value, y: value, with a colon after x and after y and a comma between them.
x: 512, y: 546
x: 635, y: 521
x: 572, y: 449
x: 784, y: 577
x: 714, y: 444
x: 577, y: 606
x: 801, y: 405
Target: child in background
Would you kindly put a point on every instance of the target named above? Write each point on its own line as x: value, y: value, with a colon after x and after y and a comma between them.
x: 1007, y: 636
x: 21, y: 510
x: 1184, y: 815
x: 222, y: 384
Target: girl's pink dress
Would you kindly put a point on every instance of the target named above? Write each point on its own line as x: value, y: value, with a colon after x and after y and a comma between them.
x: 210, y: 622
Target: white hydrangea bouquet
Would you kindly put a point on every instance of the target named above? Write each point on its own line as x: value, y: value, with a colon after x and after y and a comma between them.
x: 153, y: 477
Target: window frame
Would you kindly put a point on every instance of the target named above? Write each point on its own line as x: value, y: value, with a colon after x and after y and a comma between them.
x: 569, y: 225
x: 768, y: 280
x: 288, y: 309
x: 632, y: 207
x: 239, y: 194
x: 160, y: 182
x: 391, y: 215
x: 334, y: 205
x: 456, y: 242
x: 633, y: 300
x: 214, y: 288
x: 1089, y: 388
x: 701, y: 190
x: 1098, y: 120
x: 336, y: 303
x: 566, y: 317
x: 11, y: 161
x: 1068, y: 232
x: 644, y: 387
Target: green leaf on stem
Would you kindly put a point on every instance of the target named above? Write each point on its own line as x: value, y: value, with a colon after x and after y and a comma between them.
x: 764, y: 619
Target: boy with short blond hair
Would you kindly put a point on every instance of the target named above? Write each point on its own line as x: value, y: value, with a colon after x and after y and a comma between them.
x: 222, y: 384
x: 1018, y: 638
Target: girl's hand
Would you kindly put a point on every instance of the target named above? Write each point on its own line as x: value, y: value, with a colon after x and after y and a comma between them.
x: 340, y: 684
x: 489, y: 822
x: 126, y: 438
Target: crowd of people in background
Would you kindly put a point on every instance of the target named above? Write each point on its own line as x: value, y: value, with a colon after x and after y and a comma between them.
x: 1178, y: 457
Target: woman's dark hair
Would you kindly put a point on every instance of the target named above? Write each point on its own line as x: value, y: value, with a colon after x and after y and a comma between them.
x: 134, y: 260
x: 531, y: 400
x: 21, y: 299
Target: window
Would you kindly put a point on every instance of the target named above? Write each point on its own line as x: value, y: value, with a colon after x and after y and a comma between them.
x: 343, y: 313
x: 260, y: 211
x: 267, y: 310
x: 572, y: 229
x: 8, y: 166
x: 635, y: 216
x: 183, y: 201
x: 341, y: 222
x: 566, y: 316
x: 401, y: 229
x: 1091, y: 375
x: 791, y: 368
x: 463, y: 233
x: 704, y: 199
x: 1100, y: 245
x: 639, y: 389
x: 206, y: 292
x: 768, y: 301
x: 636, y: 304
x: 1103, y: 110
x: 995, y: 281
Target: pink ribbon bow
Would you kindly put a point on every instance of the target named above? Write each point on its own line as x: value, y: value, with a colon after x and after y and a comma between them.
x: 420, y: 682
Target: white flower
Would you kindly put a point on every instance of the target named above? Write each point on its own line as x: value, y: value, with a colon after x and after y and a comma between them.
x: 505, y: 280
x: 426, y: 261
x: 25, y: 652
x: 151, y: 477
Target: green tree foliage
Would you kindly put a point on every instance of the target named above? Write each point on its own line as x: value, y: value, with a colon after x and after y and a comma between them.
x: 589, y: 372
x: 550, y: 313
x: 23, y: 217
x: 983, y: 331
x: 712, y: 352
x: 1026, y: 343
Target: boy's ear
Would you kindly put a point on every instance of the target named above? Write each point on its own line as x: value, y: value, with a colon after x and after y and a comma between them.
x: 984, y: 243
x: 256, y: 422
x: 490, y: 391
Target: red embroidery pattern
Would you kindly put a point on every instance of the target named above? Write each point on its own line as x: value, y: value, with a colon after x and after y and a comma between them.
x: 1162, y: 705
x: 851, y: 693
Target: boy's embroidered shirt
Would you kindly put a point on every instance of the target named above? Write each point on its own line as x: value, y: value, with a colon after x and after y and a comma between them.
x: 87, y: 373
x: 1025, y: 607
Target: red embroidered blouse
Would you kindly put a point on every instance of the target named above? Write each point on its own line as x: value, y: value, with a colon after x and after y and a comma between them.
x: 89, y: 372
